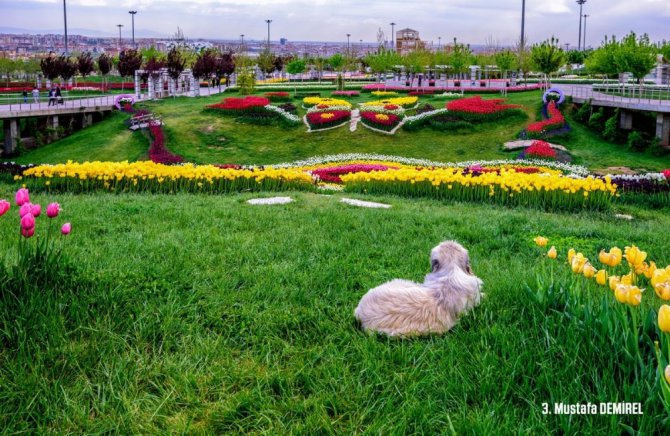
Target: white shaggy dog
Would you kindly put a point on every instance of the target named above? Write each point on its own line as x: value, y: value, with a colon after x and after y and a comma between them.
x: 404, y: 308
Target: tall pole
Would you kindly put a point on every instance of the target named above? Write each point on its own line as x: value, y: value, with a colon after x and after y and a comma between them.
x: 584, y: 44
x: 393, y: 36
x: 439, y: 43
x: 65, y: 20
x: 132, y: 13
x: 523, y: 24
x: 348, y: 44
x: 268, y: 21
x: 579, y: 40
x: 119, y: 26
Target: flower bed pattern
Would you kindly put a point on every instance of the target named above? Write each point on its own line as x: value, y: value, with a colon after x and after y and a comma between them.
x: 281, y: 97
x: 478, y: 90
x: 158, y: 153
x: 333, y: 174
x: 238, y: 105
x: 385, y: 122
x: 309, y: 102
x: 328, y: 119
x: 551, y: 126
x: 539, y: 150
x: 475, y: 109
x: 404, y: 102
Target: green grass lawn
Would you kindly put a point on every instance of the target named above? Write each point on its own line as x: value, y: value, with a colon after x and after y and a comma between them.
x: 202, y: 314
x: 206, y: 137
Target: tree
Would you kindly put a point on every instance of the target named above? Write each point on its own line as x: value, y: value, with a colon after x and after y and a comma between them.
x: 381, y: 61
x: 152, y: 67
x: 130, y: 60
x: 7, y: 66
x: 664, y: 49
x: 337, y: 62
x: 266, y: 61
x: 104, y: 66
x: 547, y: 57
x: 225, y: 66
x: 205, y: 64
x: 460, y: 58
x: 505, y: 61
x: 637, y: 56
x: 175, y: 64
x: 296, y: 66
x: 67, y: 67
x: 50, y: 68
x: 85, y: 64
x: 278, y: 63
x: 604, y: 59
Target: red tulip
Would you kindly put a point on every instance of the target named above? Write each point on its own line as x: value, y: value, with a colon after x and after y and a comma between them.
x: 22, y: 197
x: 4, y: 207
x: 28, y: 222
x: 66, y: 229
x: 53, y: 210
x: 28, y: 233
x: 25, y: 209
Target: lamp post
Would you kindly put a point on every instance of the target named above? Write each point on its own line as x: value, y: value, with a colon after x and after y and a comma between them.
x: 132, y: 13
x: 268, y: 21
x: 439, y: 43
x: 119, y: 26
x: 579, y: 41
x: 584, y: 44
x: 348, y: 43
x: 393, y: 36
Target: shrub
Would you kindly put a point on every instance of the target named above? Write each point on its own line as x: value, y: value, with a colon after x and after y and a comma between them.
x: 611, y: 130
x: 583, y: 113
x: 636, y: 141
x: 597, y: 119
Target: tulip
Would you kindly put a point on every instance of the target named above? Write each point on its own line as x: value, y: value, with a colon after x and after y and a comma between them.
x: 578, y: 262
x: 571, y: 254
x: 25, y: 209
x: 541, y: 241
x: 664, y: 318
x: 53, y: 210
x: 660, y: 276
x: 601, y: 277
x: 22, y: 197
x: 635, y: 256
x: 66, y: 229
x: 627, y: 279
x: 621, y: 293
x: 634, y: 296
x: 614, y: 281
x: 36, y: 210
x: 616, y: 251
x: 589, y: 270
x: 604, y: 257
x: 649, y: 271
x: 4, y: 207
x: 28, y: 222
x: 28, y: 233
x: 552, y: 253
x: 663, y: 291
x: 667, y: 374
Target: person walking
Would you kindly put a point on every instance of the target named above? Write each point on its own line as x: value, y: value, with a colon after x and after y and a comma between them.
x: 52, y: 96
x: 36, y: 95
x: 25, y: 95
x: 59, y: 96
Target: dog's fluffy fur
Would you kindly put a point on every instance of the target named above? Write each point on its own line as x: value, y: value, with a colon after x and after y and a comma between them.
x: 404, y: 308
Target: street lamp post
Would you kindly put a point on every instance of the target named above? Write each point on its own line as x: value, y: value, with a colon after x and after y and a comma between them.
x: 584, y: 44
x: 579, y: 41
x: 268, y: 21
x: 393, y: 36
x: 348, y: 43
x: 132, y: 13
x: 523, y: 25
x: 65, y: 21
x: 439, y: 43
x: 119, y: 26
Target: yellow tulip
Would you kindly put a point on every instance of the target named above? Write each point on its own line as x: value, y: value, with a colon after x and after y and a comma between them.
x: 578, y: 263
x: 663, y: 291
x: 614, y: 281
x: 589, y: 270
x: 601, y: 277
x: 634, y: 296
x: 541, y: 241
x: 667, y: 374
x: 616, y: 252
x: 552, y: 253
x: 621, y: 293
x: 635, y: 256
x: 627, y: 279
x: 664, y: 318
x: 649, y: 271
x: 604, y: 257
x: 660, y: 276
x: 571, y: 254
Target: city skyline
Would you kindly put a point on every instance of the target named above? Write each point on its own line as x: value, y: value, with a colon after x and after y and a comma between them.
x: 319, y: 20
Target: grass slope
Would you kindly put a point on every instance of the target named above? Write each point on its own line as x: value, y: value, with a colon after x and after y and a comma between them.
x: 205, y: 137
x: 203, y: 314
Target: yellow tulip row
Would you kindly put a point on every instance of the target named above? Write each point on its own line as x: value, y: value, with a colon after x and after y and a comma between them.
x: 138, y: 176
x: 319, y: 101
x: 405, y: 102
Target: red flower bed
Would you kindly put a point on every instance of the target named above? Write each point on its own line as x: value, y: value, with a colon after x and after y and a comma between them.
x: 157, y: 152
x: 333, y: 174
x: 476, y: 105
x: 345, y: 93
x: 539, y: 150
x: 278, y: 96
x: 666, y: 173
x: 324, y: 120
x: 555, y: 121
x: 386, y: 122
x: 421, y: 92
x: 241, y: 104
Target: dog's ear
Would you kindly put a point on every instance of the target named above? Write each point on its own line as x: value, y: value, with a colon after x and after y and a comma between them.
x: 435, y: 265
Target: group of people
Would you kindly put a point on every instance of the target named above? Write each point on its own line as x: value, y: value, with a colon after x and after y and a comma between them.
x: 55, y: 95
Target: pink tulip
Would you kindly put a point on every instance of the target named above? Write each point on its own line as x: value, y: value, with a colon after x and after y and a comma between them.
x: 28, y: 233
x: 36, y: 210
x: 22, y: 197
x: 4, y: 207
x: 53, y: 210
x: 25, y: 209
x: 66, y: 229
x: 28, y: 222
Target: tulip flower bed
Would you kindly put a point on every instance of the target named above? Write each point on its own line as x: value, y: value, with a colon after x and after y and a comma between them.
x: 474, y: 90
x: 255, y: 110
x: 157, y: 178
x: 549, y: 192
x: 381, y: 121
x: 309, y: 102
x: 404, y: 102
x: 476, y: 109
x: 333, y: 174
x: 623, y: 308
x: 539, y: 150
x: 554, y: 124
x: 158, y: 153
x: 279, y: 96
x: 241, y: 105
x: 327, y: 119
x: 347, y: 94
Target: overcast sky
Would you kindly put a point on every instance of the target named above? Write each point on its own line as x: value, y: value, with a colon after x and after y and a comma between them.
x: 471, y: 21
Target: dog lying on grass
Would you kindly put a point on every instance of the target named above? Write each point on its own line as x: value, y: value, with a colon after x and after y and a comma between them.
x: 404, y: 308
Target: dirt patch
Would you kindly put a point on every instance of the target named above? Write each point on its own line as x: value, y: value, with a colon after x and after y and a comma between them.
x: 208, y: 129
x: 615, y: 171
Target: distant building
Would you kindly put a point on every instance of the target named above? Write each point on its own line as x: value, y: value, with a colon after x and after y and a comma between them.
x: 283, y: 41
x: 407, y: 40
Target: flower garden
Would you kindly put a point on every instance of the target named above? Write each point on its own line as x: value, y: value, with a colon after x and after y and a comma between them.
x: 146, y: 295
